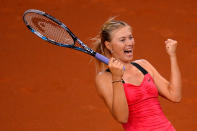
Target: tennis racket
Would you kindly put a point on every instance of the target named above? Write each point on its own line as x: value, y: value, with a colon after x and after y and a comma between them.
x: 55, y: 32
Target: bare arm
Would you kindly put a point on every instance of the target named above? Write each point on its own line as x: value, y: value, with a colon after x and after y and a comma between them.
x: 171, y: 90
x: 113, y: 94
x: 175, y: 82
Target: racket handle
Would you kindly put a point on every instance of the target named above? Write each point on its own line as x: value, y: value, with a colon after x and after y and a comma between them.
x: 103, y: 59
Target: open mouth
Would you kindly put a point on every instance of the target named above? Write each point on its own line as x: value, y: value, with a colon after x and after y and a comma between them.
x: 129, y: 51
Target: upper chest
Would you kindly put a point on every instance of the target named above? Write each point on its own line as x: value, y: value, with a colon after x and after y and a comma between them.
x: 136, y: 93
x: 135, y: 75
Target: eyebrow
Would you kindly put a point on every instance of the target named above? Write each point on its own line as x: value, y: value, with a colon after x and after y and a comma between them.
x: 126, y: 37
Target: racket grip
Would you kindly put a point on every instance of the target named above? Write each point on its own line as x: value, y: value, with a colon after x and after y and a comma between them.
x: 103, y: 59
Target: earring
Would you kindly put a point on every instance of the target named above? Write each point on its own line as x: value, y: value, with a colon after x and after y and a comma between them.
x: 111, y: 51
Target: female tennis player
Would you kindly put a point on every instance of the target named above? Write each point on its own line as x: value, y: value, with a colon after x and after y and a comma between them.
x: 130, y: 88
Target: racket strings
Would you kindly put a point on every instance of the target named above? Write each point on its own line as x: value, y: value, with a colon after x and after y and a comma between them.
x: 48, y: 28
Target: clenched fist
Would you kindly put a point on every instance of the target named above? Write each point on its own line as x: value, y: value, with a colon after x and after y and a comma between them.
x: 116, y: 68
x: 171, y: 46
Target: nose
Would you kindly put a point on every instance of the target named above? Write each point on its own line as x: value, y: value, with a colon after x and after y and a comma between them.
x: 130, y: 42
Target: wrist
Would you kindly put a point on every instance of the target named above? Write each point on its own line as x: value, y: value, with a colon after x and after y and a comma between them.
x: 173, y: 55
x: 173, y: 58
x: 116, y: 78
x: 117, y: 81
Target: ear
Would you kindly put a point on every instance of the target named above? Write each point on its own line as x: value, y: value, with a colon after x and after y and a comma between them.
x: 108, y: 45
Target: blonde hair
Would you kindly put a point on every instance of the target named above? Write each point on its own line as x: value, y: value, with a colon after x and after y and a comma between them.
x: 105, y: 35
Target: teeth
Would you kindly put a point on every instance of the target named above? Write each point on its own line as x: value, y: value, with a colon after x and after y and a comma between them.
x: 127, y: 51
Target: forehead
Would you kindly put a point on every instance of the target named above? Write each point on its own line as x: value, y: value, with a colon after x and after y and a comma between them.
x: 121, y: 32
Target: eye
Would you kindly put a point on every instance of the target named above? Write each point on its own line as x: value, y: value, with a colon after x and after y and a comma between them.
x: 130, y: 37
x: 122, y: 40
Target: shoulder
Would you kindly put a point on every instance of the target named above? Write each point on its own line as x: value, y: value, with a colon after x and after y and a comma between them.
x: 141, y: 61
x: 103, y: 84
x: 102, y: 78
x: 145, y: 64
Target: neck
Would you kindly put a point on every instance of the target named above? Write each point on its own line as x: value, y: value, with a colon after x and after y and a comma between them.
x: 127, y: 64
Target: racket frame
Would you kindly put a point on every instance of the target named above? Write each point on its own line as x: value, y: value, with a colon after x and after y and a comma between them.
x: 85, y: 48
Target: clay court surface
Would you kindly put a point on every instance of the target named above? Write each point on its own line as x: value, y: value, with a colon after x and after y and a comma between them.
x: 48, y: 88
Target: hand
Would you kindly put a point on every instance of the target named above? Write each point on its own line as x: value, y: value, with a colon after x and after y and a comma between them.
x: 116, y: 68
x: 171, y: 47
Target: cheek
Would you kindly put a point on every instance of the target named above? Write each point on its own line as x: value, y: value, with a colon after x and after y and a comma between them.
x: 118, y: 48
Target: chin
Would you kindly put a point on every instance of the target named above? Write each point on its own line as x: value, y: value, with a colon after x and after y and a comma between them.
x: 125, y: 59
x: 128, y: 60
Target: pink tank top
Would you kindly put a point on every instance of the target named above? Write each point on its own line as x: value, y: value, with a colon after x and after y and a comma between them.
x: 145, y: 113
